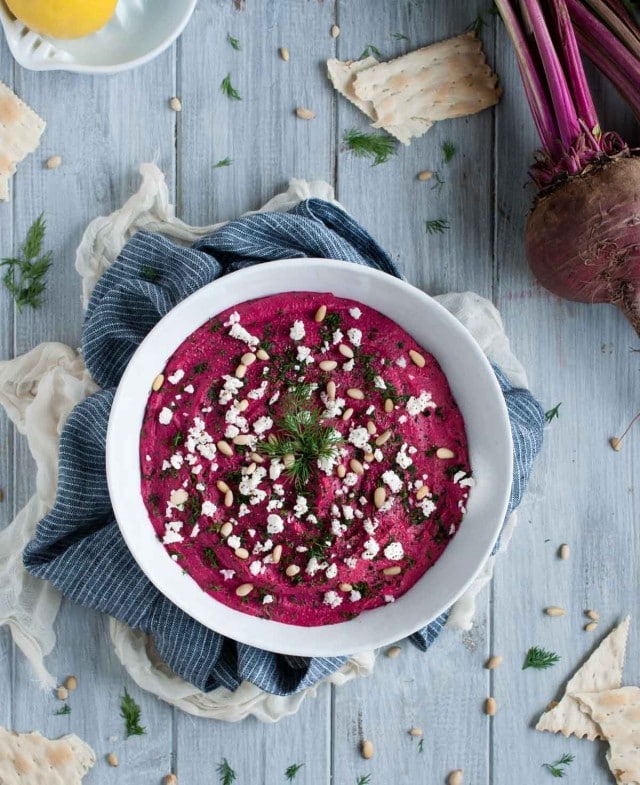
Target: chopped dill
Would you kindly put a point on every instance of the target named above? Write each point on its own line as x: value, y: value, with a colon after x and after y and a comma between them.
x: 379, y: 147
x: 130, y: 713
x: 233, y: 42
x: 438, y: 182
x: 371, y: 50
x: 541, y: 659
x: 449, y: 149
x: 62, y: 711
x: 291, y: 771
x: 557, y: 769
x: 400, y: 36
x: 553, y: 414
x: 229, y: 90
x: 226, y: 773
x: 149, y: 274
x: 24, y: 276
x: 222, y: 163
x: 436, y: 226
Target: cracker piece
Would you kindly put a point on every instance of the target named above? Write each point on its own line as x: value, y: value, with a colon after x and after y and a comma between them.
x: 32, y: 759
x: 617, y: 713
x: 602, y: 671
x: 441, y: 81
x: 341, y: 75
x: 20, y: 132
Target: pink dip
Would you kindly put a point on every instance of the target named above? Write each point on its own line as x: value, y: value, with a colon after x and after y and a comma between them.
x: 317, y: 551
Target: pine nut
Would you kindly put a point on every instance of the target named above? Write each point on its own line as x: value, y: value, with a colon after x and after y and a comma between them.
x: 71, y: 683
x: 366, y: 749
x: 494, y: 662
x: 564, y: 552
x: 591, y: 626
x: 356, y: 466
x: 345, y: 587
x: 178, y: 496
x: 228, y: 498
x: 62, y: 693
x: 292, y: 570
x: 379, y: 497
x: 424, y: 175
x: 224, y: 447
x: 226, y: 529
x: 345, y: 351
x: 355, y: 393
x: 170, y: 779
x: 243, y: 405
x: 422, y: 491
x: 241, y: 371
x: 244, y: 589
x: 54, y: 162
x: 346, y: 415
x: 251, y: 468
x: 262, y: 355
x: 284, y: 54
x: 327, y: 365
x: 444, y: 453
x: 303, y: 113
x: 615, y: 443
x: 417, y: 358
x: 242, y: 553
x: 371, y: 427
x: 277, y: 554
x: 393, y: 652
x: 455, y: 778
x: 554, y: 610
x: 383, y: 438
x: 243, y: 439
x: 320, y: 314
x: 392, y: 570
x: 593, y: 615
x: 490, y: 706
x: 331, y: 390
x: 335, y: 31
x: 248, y: 358
x: 388, y: 405
x: 341, y: 471
x: 176, y: 104
x: 369, y: 457
x: 416, y: 732
x: 256, y: 457
x: 158, y: 382
x: 222, y: 486
x: 112, y: 760
x: 289, y: 460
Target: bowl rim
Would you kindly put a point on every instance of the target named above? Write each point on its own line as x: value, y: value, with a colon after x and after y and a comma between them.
x: 245, y: 628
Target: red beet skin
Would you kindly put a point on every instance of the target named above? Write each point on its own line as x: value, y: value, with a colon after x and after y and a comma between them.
x: 583, y: 239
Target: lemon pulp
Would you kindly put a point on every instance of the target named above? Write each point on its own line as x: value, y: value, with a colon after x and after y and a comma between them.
x: 63, y: 18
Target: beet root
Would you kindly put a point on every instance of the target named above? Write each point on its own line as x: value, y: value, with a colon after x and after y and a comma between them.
x: 583, y: 239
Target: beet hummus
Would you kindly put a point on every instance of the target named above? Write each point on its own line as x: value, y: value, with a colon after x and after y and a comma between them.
x: 303, y: 459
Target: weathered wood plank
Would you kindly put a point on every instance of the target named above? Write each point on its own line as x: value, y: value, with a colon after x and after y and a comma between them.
x: 583, y: 493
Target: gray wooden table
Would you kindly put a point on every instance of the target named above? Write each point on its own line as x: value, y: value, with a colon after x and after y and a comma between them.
x: 582, y: 492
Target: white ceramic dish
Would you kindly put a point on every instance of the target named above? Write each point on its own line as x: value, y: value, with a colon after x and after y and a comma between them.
x: 474, y: 386
x: 139, y: 31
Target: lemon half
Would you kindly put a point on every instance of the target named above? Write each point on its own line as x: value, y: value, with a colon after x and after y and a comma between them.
x: 63, y: 18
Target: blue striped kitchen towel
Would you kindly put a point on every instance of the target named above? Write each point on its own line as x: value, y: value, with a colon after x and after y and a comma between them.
x: 78, y: 546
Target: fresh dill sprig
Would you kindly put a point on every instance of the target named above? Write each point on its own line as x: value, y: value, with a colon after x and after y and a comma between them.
x: 149, y: 274
x: 369, y: 50
x: 436, y: 225
x: 400, y: 36
x: 233, y: 42
x: 130, y: 713
x: 552, y: 414
x: 24, y: 276
x: 292, y: 770
x: 365, y: 780
x: 556, y: 769
x: 228, y: 89
x: 541, y: 659
x: 421, y: 745
x: 380, y: 147
x: 222, y: 162
x: 438, y: 182
x: 226, y: 773
x: 62, y: 711
x: 449, y: 149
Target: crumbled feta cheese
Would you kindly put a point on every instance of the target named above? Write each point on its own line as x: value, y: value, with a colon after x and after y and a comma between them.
x: 176, y: 460
x: 350, y: 479
x: 337, y: 528
x: 258, y: 392
x: 255, y: 568
x: 359, y: 437
x: 275, y: 523
x: 297, y: 331
x: 332, y: 599
x: 304, y: 355
x: 351, y: 562
x: 332, y: 571
x: 379, y: 383
x: 175, y: 377
x: 234, y: 318
x: 427, y: 506
x: 355, y: 336
x: 267, y: 599
x: 208, y: 509
x: 279, y: 489
x: 314, y: 566
x: 328, y: 463
x: 274, y: 397
x: 200, y: 487
x: 402, y: 459
x: 238, y: 332
x: 347, y: 512
x: 227, y: 574
x: 394, y: 551
x: 355, y: 312
x: 172, y: 533
x: 337, y: 337
x: 349, y: 365
x: 401, y: 362
x: 312, y: 519
x: 370, y: 526
x: 370, y: 410
x: 333, y: 408
x: 189, y: 389
x: 392, y: 481
x: 389, y: 598
x: 196, y: 530
x: 233, y: 541
x: 371, y: 549
x: 419, y: 404
x: 262, y: 424
x: 165, y: 416
x: 355, y: 596
x: 301, y: 507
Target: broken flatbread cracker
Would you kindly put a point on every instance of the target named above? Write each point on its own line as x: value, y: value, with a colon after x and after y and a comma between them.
x: 438, y: 82
x: 341, y: 75
x: 20, y: 132
x: 32, y: 759
x: 602, y: 671
x: 617, y: 713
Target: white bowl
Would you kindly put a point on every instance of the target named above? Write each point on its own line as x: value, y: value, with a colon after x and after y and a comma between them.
x: 139, y: 31
x: 474, y: 387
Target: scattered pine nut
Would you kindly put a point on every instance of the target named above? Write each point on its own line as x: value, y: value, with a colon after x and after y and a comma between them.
x: 158, y: 382
x: 379, y: 497
x: 371, y: 427
x: 369, y: 457
x: 243, y: 439
x: 262, y: 355
x: 593, y: 615
x: 284, y: 53
x: 417, y: 358
x: 327, y: 365
x: 320, y: 314
x: 388, y: 405
x: 490, y: 706
x: 224, y: 447
x: 366, y: 749
x: 591, y: 626
x: 615, y: 443
x: 444, y: 453
x: 356, y: 466
x: 564, y: 551
x: 494, y: 662
x: 455, y: 778
x: 222, y: 486
x: 244, y: 589
x: 422, y: 491
x: 303, y: 113
x: 242, y: 553
x: 341, y: 471
x: 345, y: 351
x: 331, y: 390
x: 292, y: 570
x: 170, y: 779
x: 277, y: 554
x: 289, y: 460
x: 554, y: 610
x: 383, y: 438
x: 112, y: 760
x: 62, y: 693
x: 228, y: 498
x: 335, y: 31
x: 53, y: 162
x: 392, y: 570
x: 393, y: 652
x: 345, y: 587
x: 71, y: 683
x: 243, y: 405
x: 241, y: 371
x: 248, y: 358
x: 251, y: 468
x: 347, y: 414
x: 416, y: 732
x: 226, y: 529
x: 176, y: 104
x: 425, y: 175
x: 256, y: 457
x: 355, y: 393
